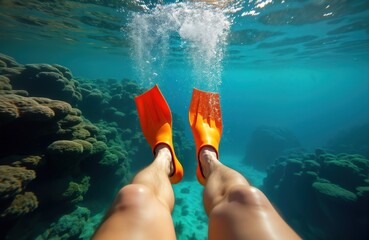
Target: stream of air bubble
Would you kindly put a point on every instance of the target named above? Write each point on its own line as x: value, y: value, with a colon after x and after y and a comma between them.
x: 199, y: 30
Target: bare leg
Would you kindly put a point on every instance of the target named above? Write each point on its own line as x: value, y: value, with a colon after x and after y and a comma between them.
x: 142, y: 210
x: 237, y: 210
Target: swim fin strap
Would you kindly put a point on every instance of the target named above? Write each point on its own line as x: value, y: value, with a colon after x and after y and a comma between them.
x: 206, y: 123
x: 156, y: 124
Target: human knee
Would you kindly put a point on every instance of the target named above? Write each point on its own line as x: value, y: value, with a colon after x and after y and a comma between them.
x: 247, y: 196
x: 133, y: 195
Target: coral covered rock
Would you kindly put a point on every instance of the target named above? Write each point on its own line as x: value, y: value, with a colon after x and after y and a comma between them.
x: 99, y: 148
x: 330, y: 192
x: 61, y: 109
x: 335, y: 169
x: 5, y: 84
x: 333, y: 192
x: 31, y: 162
x: 64, y: 155
x: 31, y: 124
x: 68, y: 226
x: 7, y: 61
x: 65, y: 71
x: 46, y: 134
x: 41, y: 80
x: 110, y: 100
x: 14, y: 202
x: 65, y: 148
x: 14, y: 106
x: 21, y: 205
x: 14, y: 180
x: 76, y: 191
x: 64, y: 189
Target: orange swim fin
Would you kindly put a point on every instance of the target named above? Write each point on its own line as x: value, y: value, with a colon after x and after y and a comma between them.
x: 206, y: 122
x: 156, y: 124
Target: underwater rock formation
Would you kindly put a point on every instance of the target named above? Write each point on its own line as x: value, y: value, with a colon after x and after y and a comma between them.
x: 14, y: 180
x: 322, y: 195
x: 110, y: 100
x: 68, y: 226
x: 51, y: 154
x: 268, y: 143
x: 14, y: 201
x: 21, y: 205
x: 41, y: 80
x: 76, y: 191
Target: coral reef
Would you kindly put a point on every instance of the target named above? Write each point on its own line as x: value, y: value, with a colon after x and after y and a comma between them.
x: 63, y: 140
x: 110, y: 100
x: 322, y: 195
x: 14, y: 180
x: 90, y: 226
x: 68, y: 226
x: 41, y: 80
x: 21, y: 205
x: 14, y: 201
x: 275, y: 140
x: 76, y: 191
x: 50, y: 153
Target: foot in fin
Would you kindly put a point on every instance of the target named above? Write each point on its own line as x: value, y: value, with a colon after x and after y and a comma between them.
x: 156, y: 124
x: 206, y: 123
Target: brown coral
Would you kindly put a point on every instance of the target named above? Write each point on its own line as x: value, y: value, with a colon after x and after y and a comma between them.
x: 7, y: 61
x: 53, y: 81
x: 13, y: 180
x: 55, y: 140
x: 60, y: 108
x: 14, y: 106
x: 21, y: 205
x: 30, y: 161
x: 65, y: 155
x: 32, y: 123
x: 5, y: 83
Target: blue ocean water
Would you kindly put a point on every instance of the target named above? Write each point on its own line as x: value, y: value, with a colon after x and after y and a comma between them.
x: 300, y: 66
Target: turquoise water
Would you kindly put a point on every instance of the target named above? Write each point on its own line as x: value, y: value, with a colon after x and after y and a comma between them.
x: 301, y: 66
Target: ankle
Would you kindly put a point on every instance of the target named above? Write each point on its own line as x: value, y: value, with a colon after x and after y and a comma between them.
x: 162, y: 150
x: 164, y: 155
x: 208, y: 160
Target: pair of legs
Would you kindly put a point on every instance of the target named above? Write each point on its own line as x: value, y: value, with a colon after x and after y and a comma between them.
x: 142, y: 210
x: 236, y: 210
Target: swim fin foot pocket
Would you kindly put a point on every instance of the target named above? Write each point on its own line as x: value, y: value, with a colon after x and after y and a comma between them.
x: 156, y: 124
x: 206, y: 123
